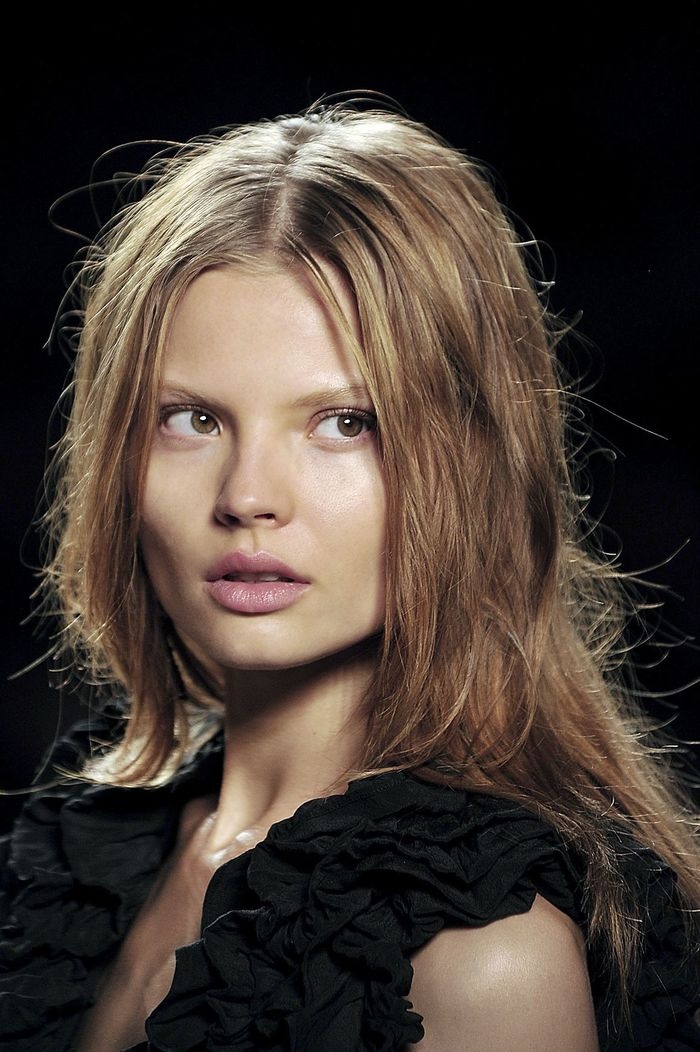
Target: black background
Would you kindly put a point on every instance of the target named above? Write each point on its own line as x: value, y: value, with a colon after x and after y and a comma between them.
x: 591, y: 131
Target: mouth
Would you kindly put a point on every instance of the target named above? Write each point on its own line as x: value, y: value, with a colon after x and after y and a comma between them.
x: 252, y: 577
x: 266, y: 592
x: 253, y: 568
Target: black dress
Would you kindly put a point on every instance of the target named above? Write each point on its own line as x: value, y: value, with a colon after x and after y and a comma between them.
x: 306, y: 938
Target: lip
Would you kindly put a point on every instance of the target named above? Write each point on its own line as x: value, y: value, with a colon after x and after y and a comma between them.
x: 260, y: 562
x: 254, y: 597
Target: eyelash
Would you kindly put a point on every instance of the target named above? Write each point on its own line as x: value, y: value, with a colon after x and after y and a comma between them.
x: 368, y: 418
x: 167, y: 411
x: 361, y: 414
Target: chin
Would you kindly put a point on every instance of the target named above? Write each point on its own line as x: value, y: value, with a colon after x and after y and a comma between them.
x: 266, y: 659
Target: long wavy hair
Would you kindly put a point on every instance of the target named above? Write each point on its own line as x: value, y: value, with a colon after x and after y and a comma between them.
x: 498, y: 665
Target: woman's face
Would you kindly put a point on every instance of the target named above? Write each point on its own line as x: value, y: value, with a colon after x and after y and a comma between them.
x: 261, y: 451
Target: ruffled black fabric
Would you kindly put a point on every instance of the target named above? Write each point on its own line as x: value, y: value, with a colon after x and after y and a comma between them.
x: 306, y: 939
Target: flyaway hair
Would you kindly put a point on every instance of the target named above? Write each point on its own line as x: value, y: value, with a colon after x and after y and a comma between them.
x: 498, y: 663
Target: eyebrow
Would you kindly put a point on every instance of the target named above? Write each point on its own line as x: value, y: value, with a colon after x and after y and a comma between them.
x: 335, y: 395
x: 345, y: 393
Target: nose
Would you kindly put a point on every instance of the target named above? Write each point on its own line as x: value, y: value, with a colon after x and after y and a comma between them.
x: 255, y: 485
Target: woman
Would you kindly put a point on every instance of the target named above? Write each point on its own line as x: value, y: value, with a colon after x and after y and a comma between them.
x: 361, y: 777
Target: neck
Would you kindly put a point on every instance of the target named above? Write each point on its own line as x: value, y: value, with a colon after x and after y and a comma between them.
x: 291, y: 735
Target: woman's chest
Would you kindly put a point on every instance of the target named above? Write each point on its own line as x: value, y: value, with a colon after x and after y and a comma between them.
x: 141, y: 974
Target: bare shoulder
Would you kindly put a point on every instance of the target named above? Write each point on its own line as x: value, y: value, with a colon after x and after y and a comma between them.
x: 519, y: 984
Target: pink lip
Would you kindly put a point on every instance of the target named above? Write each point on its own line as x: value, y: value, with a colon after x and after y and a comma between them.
x: 254, y: 597
x: 261, y: 562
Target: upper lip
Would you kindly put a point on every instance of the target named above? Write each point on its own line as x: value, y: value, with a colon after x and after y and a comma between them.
x: 259, y: 562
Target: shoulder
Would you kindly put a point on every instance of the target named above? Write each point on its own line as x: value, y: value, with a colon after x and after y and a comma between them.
x: 518, y: 983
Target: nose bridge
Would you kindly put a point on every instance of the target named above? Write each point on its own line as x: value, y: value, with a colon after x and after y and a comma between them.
x: 256, y: 477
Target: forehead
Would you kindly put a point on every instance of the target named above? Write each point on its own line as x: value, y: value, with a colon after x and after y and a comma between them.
x: 247, y: 323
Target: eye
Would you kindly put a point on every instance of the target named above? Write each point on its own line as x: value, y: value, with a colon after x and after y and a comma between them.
x: 186, y: 422
x: 348, y: 423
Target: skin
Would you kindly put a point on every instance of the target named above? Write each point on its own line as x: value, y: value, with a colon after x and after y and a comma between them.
x: 519, y: 984
x: 254, y: 469
x: 238, y: 463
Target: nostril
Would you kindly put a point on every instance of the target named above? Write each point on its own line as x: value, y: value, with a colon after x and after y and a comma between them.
x: 230, y: 518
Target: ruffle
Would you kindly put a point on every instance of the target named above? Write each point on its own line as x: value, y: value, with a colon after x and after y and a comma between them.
x: 665, y: 1009
x: 307, y: 938
x: 306, y: 941
x: 75, y: 870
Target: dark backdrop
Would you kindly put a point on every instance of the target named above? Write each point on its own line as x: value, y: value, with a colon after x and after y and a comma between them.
x: 593, y: 137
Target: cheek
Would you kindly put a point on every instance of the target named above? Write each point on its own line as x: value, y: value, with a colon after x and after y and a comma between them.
x: 163, y: 527
x: 350, y: 511
x: 355, y: 529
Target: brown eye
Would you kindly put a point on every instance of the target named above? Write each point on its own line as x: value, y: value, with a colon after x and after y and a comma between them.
x: 187, y: 423
x: 350, y: 426
x: 203, y: 424
x: 346, y: 424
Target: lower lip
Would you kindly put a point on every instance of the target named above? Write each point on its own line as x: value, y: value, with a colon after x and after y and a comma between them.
x: 255, y: 597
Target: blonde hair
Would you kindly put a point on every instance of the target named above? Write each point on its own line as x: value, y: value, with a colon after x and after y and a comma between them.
x: 498, y: 660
